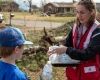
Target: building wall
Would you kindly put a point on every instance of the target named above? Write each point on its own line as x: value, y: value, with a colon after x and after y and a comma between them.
x: 8, y: 7
x: 50, y: 8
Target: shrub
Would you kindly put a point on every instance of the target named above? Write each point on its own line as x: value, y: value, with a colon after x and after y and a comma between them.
x: 68, y: 14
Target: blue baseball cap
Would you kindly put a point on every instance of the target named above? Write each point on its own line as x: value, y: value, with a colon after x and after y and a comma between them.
x: 12, y: 37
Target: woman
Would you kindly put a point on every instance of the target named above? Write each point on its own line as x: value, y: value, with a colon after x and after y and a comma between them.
x: 83, y: 43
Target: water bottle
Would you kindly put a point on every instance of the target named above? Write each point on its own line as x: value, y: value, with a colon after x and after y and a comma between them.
x: 47, y: 71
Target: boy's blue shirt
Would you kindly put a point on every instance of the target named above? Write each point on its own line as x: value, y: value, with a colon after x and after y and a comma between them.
x: 11, y: 72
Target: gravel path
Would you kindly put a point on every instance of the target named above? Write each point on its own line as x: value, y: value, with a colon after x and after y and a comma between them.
x: 36, y: 24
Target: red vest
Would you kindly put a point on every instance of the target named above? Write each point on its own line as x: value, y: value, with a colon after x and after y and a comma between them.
x: 86, y: 70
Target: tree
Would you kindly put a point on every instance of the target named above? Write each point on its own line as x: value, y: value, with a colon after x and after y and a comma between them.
x: 43, y: 2
x: 34, y: 7
x: 29, y: 5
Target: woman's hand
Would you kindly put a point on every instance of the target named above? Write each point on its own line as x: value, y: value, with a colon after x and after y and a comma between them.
x: 58, y: 50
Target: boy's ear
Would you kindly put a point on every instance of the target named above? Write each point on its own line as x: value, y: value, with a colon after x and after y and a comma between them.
x: 16, y: 49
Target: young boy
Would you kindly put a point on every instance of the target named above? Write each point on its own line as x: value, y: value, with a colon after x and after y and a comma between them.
x: 11, y: 48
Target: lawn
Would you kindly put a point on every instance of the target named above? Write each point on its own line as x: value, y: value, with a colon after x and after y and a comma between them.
x: 27, y: 16
x: 28, y: 64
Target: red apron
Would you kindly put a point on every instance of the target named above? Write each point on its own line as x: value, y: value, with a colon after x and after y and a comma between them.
x: 86, y: 70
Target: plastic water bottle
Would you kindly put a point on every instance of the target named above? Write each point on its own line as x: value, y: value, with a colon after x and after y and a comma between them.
x: 47, y: 71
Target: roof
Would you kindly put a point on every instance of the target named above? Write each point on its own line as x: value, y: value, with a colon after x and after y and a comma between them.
x: 62, y: 4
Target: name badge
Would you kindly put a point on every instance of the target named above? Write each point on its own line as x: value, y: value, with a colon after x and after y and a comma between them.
x: 89, y: 69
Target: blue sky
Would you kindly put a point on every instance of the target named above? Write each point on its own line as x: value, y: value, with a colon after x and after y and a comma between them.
x: 38, y: 2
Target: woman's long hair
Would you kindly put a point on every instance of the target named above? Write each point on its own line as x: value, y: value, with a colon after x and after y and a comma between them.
x: 91, y: 7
